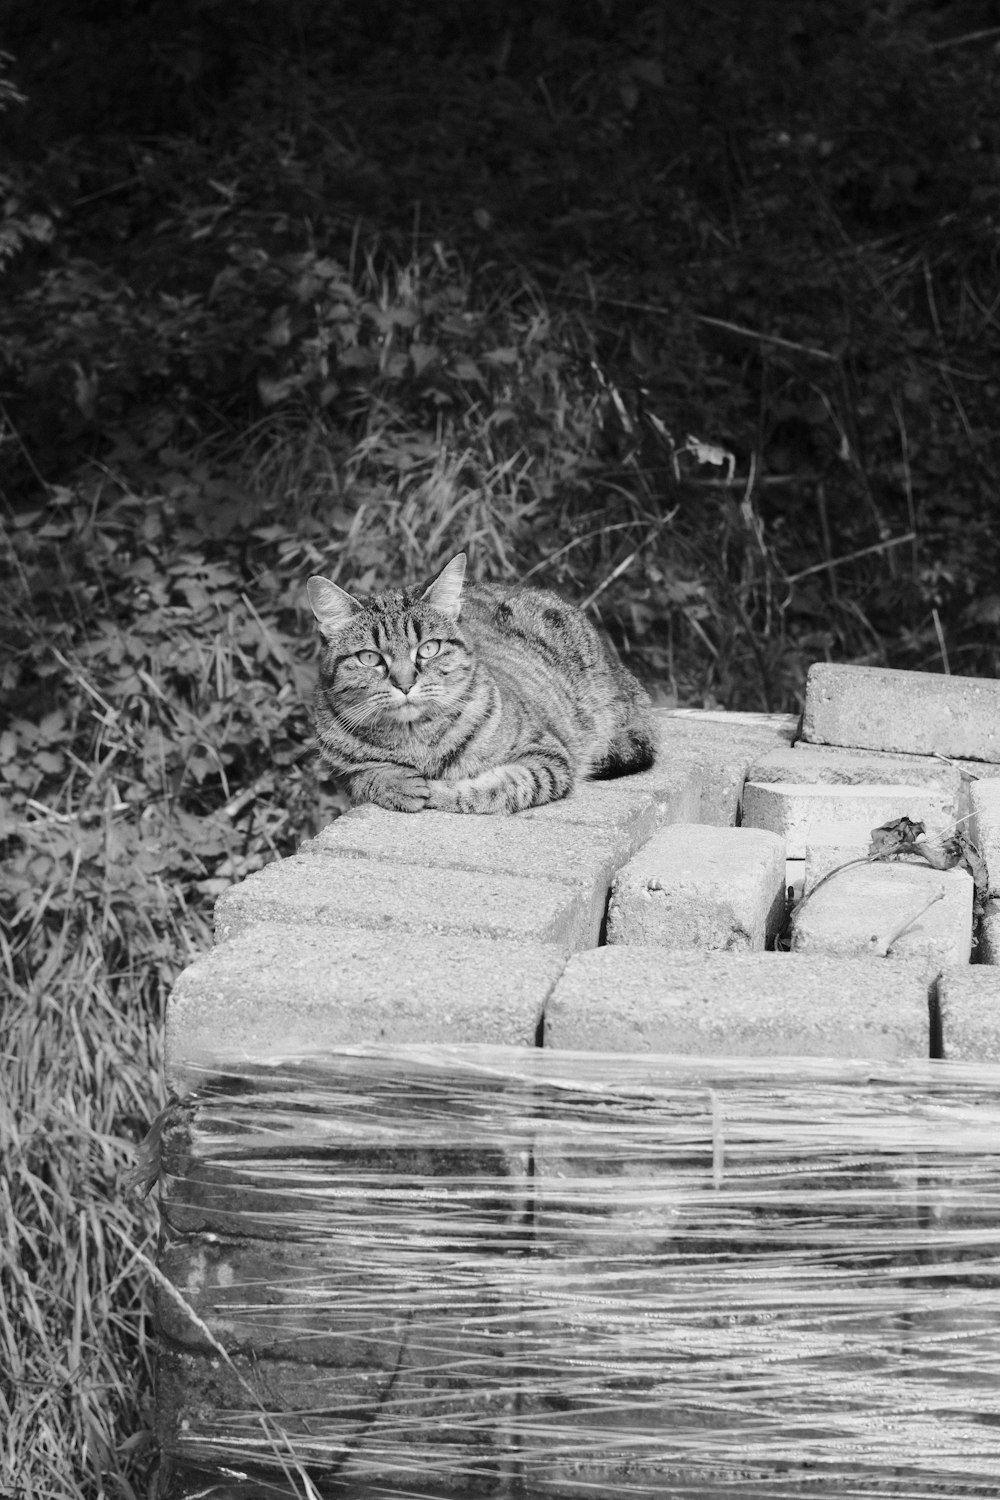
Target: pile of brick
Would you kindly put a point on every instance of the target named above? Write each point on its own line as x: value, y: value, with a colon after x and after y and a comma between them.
x: 441, y: 928
x: 638, y: 916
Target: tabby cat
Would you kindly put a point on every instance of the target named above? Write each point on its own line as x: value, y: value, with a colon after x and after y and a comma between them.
x: 483, y: 700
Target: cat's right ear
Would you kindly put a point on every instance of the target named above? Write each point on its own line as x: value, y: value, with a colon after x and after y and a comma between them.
x: 331, y: 605
x: 445, y: 593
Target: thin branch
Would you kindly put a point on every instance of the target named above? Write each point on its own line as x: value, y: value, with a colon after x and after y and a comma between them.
x: 836, y: 562
x: 765, y: 338
x: 961, y: 41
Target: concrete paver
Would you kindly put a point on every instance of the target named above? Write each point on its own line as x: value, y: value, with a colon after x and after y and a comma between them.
x: 988, y: 951
x: 640, y: 999
x: 807, y: 814
x: 725, y: 745
x: 836, y: 765
x: 896, y: 910
x: 917, y: 713
x: 383, y: 894
x: 984, y: 827
x: 577, y: 854
x: 969, y: 1005
x: 282, y: 989
x: 697, y: 886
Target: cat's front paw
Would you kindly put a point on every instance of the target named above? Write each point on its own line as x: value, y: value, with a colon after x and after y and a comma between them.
x: 399, y: 791
x: 443, y: 796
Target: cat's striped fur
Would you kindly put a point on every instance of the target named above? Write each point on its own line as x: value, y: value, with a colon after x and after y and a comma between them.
x: 476, y: 700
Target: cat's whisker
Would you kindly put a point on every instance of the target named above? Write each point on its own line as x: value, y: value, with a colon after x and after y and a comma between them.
x: 354, y: 715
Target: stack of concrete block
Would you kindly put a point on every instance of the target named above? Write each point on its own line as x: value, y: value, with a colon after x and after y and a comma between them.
x: 641, y: 916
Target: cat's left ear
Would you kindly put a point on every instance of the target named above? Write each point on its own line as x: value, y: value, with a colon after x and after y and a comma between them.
x: 331, y: 605
x: 445, y: 593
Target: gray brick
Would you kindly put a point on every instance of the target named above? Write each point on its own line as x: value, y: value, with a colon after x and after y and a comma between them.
x: 637, y: 805
x: 281, y: 990
x: 918, y: 713
x: 738, y: 1005
x: 880, y: 910
x: 382, y: 895
x: 580, y: 855
x: 988, y: 951
x: 725, y: 745
x: 696, y: 886
x: 984, y: 827
x: 812, y: 814
x: 835, y: 765
x: 969, y: 1004
x: 362, y: 1424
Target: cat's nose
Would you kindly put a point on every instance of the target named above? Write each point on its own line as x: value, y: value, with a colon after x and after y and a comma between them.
x: 403, y: 674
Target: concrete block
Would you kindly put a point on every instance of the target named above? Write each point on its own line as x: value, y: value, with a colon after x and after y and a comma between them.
x: 620, y: 805
x: 772, y: 1247
x: 984, y: 827
x: 432, y: 1412
x: 763, y: 727
x: 918, y: 713
x: 725, y: 745
x: 892, y: 910
x: 988, y: 951
x: 282, y: 990
x: 575, y: 854
x: 345, y: 1230
x: 385, y: 895
x: 807, y: 814
x: 969, y: 1008
x: 833, y: 765
x: 696, y: 886
x: 977, y: 770
x: 640, y: 999
x: 297, y: 1301
x: 294, y: 1151
x: 668, y: 793
x: 822, y: 859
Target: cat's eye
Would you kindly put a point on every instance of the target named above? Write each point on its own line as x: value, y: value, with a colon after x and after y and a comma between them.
x: 370, y: 658
x: 428, y: 648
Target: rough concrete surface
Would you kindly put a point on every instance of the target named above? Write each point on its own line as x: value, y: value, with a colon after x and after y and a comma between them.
x: 811, y: 814
x: 695, y: 886
x: 823, y: 859
x: 969, y: 1005
x: 984, y: 827
x: 501, y: 845
x: 632, y: 804
x: 917, y: 713
x: 279, y: 990
x: 725, y: 745
x: 641, y: 999
x: 988, y: 951
x: 889, y: 910
x: 835, y: 765
x: 576, y: 854
x: 384, y: 895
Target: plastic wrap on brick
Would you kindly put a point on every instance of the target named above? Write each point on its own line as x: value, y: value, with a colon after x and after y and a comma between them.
x: 492, y: 1272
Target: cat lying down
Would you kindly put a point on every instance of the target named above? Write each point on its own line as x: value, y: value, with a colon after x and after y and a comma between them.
x: 486, y: 699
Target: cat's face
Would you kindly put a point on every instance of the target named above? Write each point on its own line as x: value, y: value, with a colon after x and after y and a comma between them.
x: 394, y: 661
